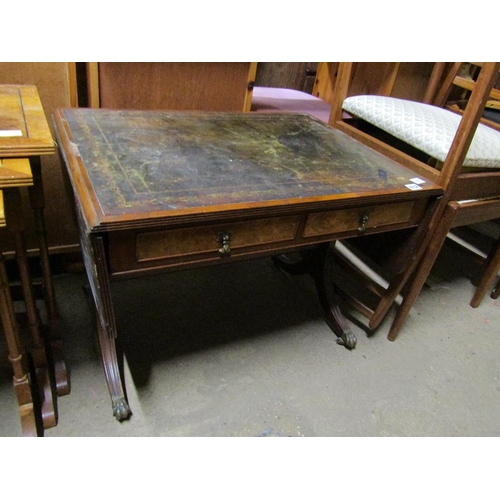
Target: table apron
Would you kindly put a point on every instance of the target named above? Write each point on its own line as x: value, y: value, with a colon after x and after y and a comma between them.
x: 143, y: 250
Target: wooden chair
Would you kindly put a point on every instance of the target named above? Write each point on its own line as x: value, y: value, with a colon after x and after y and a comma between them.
x: 490, y: 268
x: 453, y: 94
x: 379, y: 121
x: 455, y: 90
x: 376, y: 78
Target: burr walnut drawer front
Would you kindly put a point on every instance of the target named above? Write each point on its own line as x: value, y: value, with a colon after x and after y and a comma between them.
x: 131, y: 251
x: 358, y: 219
x: 144, y: 248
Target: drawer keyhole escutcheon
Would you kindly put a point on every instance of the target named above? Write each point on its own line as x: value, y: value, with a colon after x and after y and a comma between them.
x: 224, y: 238
x: 362, y: 221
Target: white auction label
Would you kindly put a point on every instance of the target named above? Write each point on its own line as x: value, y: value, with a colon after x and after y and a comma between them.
x: 417, y: 180
x: 11, y: 133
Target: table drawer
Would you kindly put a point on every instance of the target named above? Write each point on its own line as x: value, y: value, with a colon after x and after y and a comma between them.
x: 131, y: 251
x: 352, y: 219
x: 181, y: 242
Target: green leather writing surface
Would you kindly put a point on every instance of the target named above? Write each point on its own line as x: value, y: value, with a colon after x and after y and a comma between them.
x: 139, y: 161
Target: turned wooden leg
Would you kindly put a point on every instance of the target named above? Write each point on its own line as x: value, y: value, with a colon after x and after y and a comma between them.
x: 417, y: 245
x: 38, y: 353
x: 37, y: 202
x: 417, y: 281
x: 17, y: 357
x: 488, y: 278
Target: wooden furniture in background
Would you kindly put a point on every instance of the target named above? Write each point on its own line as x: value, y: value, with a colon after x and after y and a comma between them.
x: 326, y: 76
x: 463, y: 77
x: 192, y: 189
x: 489, y: 282
x: 369, y: 78
x: 288, y: 75
x: 455, y: 90
x: 56, y: 86
x: 25, y: 134
x: 467, y: 196
x: 386, y: 78
x: 16, y: 173
x: 203, y: 86
x: 404, y: 80
x: 453, y: 94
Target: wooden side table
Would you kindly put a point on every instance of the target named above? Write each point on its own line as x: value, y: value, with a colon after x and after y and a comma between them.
x: 17, y: 354
x: 24, y: 137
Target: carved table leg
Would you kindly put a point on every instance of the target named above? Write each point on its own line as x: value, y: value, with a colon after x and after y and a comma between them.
x: 106, y: 327
x: 121, y: 409
x: 317, y: 262
x: 17, y: 357
x: 38, y: 349
x: 37, y: 202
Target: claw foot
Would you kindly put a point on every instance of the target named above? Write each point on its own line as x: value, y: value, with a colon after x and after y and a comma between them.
x: 348, y: 340
x: 121, y: 409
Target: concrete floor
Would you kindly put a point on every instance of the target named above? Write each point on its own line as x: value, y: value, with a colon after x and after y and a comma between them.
x: 242, y: 350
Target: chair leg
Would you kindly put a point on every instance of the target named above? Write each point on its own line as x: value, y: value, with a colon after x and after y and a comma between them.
x: 488, y: 277
x: 496, y: 291
x: 423, y: 270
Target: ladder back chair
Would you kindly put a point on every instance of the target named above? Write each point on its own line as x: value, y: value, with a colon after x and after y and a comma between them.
x: 435, y: 143
x: 453, y: 94
x: 455, y: 91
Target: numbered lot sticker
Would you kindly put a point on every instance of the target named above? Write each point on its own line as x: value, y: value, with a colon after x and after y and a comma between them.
x: 417, y: 180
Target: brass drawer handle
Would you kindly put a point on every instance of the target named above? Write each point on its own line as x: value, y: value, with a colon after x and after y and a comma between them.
x: 224, y: 238
x: 362, y: 222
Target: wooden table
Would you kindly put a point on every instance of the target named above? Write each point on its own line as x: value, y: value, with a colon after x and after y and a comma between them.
x: 158, y: 190
x: 24, y: 137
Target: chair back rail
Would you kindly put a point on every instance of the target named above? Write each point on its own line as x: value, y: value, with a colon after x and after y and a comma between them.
x: 455, y: 184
